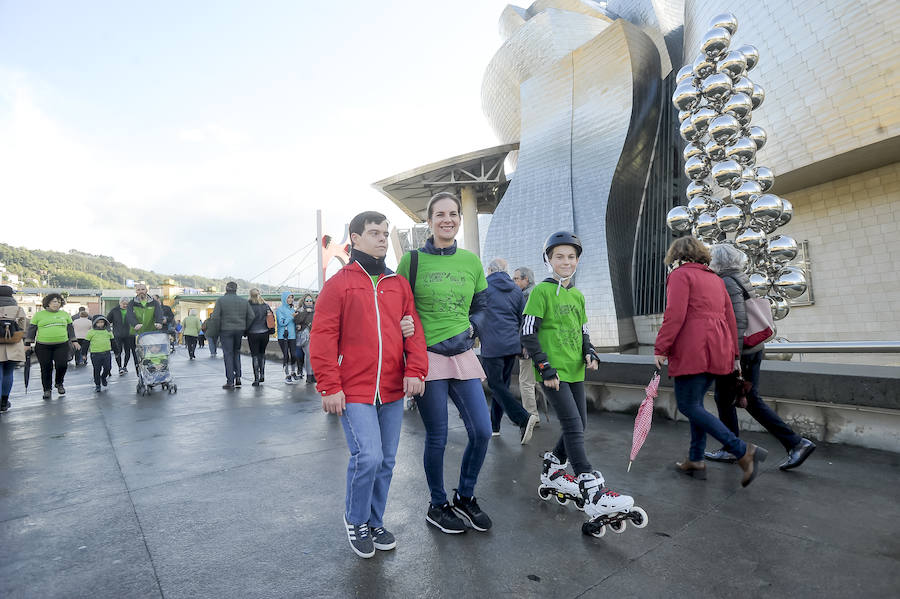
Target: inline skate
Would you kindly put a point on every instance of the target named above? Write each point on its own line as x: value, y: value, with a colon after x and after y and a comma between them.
x: 606, y: 507
x: 556, y: 482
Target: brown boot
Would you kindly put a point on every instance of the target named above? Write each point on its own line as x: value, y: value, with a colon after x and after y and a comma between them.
x: 695, y: 469
x: 750, y: 462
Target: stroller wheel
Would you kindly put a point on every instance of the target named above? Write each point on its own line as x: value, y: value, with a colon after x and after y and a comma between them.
x: 173, y: 389
x: 140, y: 389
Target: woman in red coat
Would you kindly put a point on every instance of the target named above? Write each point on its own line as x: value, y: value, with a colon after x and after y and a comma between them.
x: 698, y: 337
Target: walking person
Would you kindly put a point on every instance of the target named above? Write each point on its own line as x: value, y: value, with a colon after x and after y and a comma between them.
x: 100, y: 339
x: 523, y: 277
x: 230, y: 318
x: 53, y: 336
x: 201, y: 337
x: 698, y: 337
x: 287, y: 336
x: 728, y: 262
x: 213, y: 339
x: 123, y: 340
x: 191, y: 328
x: 449, y: 285
x: 366, y: 366
x: 258, y: 335
x: 498, y: 328
x: 556, y: 335
x: 82, y: 324
x: 142, y: 315
x: 303, y: 319
x: 168, y: 322
x: 12, y: 346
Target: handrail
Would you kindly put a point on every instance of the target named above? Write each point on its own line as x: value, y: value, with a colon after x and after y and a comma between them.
x: 833, y: 347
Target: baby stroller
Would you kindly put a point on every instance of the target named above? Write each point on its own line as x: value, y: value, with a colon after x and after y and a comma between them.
x: 153, y: 362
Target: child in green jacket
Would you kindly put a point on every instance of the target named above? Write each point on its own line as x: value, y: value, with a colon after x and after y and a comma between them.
x: 100, y: 340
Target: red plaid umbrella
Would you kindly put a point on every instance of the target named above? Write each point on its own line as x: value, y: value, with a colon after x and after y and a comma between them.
x: 644, y: 418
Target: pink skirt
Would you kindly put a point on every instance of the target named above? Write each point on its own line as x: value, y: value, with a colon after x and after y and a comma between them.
x: 462, y: 367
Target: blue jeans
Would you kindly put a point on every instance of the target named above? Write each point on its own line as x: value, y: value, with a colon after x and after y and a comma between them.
x: 499, y: 373
x: 231, y: 351
x: 213, y: 342
x: 756, y: 407
x: 689, y: 392
x: 7, y: 369
x: 469, y: 398
x: 373, y: 433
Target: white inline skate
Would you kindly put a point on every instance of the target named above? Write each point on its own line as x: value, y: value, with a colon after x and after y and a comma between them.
x: 556, y: 482
x: 606, y: 507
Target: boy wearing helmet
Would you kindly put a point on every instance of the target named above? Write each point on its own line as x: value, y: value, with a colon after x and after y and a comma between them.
x: 555, y: 333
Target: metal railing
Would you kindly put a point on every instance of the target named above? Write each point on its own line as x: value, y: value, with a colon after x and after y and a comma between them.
x: 834, y: 347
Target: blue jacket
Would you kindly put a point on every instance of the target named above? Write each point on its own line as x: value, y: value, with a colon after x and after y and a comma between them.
x: 284, y: 317
x: 499, y: 323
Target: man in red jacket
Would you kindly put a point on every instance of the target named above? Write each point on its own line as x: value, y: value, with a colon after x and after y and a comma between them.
x: 364, y: 367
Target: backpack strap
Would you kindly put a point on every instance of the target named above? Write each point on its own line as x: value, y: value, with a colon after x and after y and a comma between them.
x: 413, y: 269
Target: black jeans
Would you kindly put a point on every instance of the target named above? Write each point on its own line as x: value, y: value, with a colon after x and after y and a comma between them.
x: 50, y: 355
x: 102, y: 363
x: 499, y: 373
x: 571, y: 411
x: 288, y: 352
x: 756, y: 407
x: 130, y: 349
x: 231, y: 351
x: 191, y: 342
x: 201, y: 340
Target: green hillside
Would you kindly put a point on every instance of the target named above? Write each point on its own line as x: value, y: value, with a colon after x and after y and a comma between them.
x: 40, y: 268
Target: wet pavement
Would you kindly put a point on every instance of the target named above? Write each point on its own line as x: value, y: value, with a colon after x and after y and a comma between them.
x: 214, y: 493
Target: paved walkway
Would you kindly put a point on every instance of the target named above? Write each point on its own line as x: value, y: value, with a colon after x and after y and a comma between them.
x: 212, y: 493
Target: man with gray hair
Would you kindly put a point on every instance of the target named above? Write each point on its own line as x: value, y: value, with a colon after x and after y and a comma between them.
x: 497, y: 326
x: 524, y: 278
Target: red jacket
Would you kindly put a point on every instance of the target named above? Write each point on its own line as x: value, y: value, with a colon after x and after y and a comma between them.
x: 356, y: 345
x: 699, y: 333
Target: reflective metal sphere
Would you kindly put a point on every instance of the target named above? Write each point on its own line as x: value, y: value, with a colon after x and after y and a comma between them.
x: 706, y: 226
x: 699, y: 204
x: 787, y: 213
x: 743, y: 151
x: 724, y: 129
x: 693, y: 149
x: 760, y: 283
x: 780, y: 306
x: 745, y: 120
x: 679, y: 219
x: 686, y: 96
x: 696, y: 168
x: 782, y: 249
x: 751, y: 55
x: 764, y: 176
x: 685, y: 72
x: 715, y: 42
x: 725, y: 20
x: 759, y: 136
x: 745, y: 192
x: 766, y: 209
x: 748, y: 173
x: 688, y: 131
x: 733, y: 64
x: 717, y: 87
x: 738, y: 105
x: 684, y: 114
x: 743, y: 86
x: 791, y: 282
x: 696, y: 188
x: 751, y: 240
x: 725, y: 173
x: 758, y: 95
x: 730, y: 218
x: 703, y: 66
x: 701, y: 119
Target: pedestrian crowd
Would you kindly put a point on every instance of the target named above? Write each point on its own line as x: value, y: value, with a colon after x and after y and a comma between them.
x: 375, y: 337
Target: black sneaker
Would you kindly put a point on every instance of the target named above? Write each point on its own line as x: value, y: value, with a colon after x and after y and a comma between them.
x: 443, y: 517
x: 360, y: 539
x: 471, y: 514
x: 60, y: 389
x: 237, y: 382
x: 104, y: 382
x: 96, y: 388
x: 122, y: 371
x: 383, y: 539
x: 46, y: 394
x: 4, y: 404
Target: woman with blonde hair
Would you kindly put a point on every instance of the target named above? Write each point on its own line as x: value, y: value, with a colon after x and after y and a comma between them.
x: 698, y: 337
x: 258, y: 335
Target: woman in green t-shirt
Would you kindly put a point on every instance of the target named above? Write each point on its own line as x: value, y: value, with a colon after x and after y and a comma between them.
x: 449, y: 285
x: 54, y: 337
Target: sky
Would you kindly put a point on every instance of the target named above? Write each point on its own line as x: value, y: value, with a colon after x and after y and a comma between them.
x: 200, y: 137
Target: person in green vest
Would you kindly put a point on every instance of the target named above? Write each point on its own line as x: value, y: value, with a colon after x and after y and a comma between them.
x: 191, y: 329
x: 144, y: 312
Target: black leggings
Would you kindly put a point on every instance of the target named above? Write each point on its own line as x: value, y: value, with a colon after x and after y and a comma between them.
x: 288, y: 351
x: 258, y: 343
x: 571, y: 411
x: 48, y: 355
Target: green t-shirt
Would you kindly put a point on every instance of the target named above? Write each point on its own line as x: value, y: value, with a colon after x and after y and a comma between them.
x: 191, y: 326
x: 52, y: 327
x: 563, y: 319
x: 444, y: 289
x: 99, y: 340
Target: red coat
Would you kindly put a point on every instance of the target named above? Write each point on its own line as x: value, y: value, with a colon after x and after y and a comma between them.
x: 357, y: 322
x: 699, y: 333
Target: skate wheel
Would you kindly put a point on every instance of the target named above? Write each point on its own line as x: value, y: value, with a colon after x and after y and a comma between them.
x: 638, y: 517
x: 579, y: 503
x: 544, y: 492
x: 561, y: 499
x: 593, y: 529
x: 618, y: 527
